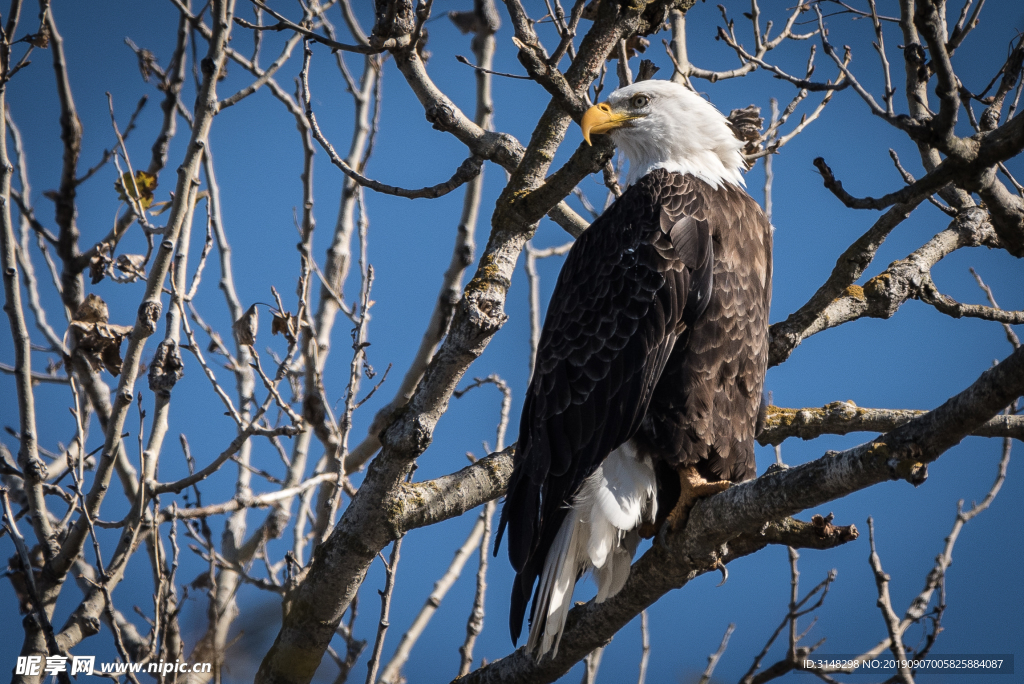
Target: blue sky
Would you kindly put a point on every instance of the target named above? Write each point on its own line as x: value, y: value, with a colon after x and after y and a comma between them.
x: 915, y: 360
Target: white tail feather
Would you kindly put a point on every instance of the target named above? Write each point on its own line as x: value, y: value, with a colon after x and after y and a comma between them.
x: 599, y: 533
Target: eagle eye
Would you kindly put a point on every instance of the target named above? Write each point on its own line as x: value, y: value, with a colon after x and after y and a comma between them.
x: 639, y: 101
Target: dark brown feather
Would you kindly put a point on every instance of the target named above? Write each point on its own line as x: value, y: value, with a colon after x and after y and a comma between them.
x: 705, y: 406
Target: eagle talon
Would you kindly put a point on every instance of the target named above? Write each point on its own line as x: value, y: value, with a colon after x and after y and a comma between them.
x: 720, y: 566
x: 661, y: 539
x: 692, y: 487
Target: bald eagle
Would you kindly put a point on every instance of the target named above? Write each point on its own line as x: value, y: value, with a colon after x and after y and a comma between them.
x: 648, y: 379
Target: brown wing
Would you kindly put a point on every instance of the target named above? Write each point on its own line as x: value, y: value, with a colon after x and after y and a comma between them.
x: 705, y: 406
x: 626, y: 292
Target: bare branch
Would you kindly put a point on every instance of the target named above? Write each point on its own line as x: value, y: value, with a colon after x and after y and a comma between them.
x: 936, y: 576
x: 844, y: 417
x: 475, y: 623
x: 391, y: 673
x: 882, y: 295
x: 32, y: 467
x: 108, y: 154
x: 238, y: 503
x: 785, y: 336
x: 892, y: 623
x: 267, y: 75
x: 716, y: 656
x: 645, y: 647
x: 469, y: 169
x: 930, y: 21
x: 370, y: 47
x: 803, y: 83
x: 390, y: 568
x: 880, y: 48
x: 484, y: 70
x: 909, y: 180
x: 1011, y: 336
x: 29, y: 224
x: 71, y: 136
x: 949, y: 306
x: 36, y: 376
x: 483, y: 21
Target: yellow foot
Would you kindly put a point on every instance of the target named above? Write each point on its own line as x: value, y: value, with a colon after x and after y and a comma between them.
x: 692, y: 487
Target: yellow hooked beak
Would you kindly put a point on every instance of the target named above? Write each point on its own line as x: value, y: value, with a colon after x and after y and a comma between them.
x: 601, y: 119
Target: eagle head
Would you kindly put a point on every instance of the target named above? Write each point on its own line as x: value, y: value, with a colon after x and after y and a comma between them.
x: 664, y: 125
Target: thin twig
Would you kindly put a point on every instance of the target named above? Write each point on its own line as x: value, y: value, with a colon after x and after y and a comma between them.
x: 391, y: 674
x: 717, y: 655
x: 769, y: 175
x: 463, y: 60
x: 892, y: 622
x: 475, y: 623
x: 469, y: 169
x: 1011, y: 335
x: 645, y: 647
x: 390, y: 567
x: 283, y: 23
x: 591, y: 664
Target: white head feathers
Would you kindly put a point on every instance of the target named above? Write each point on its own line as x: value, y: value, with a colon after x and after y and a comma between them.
x: 675, y: 129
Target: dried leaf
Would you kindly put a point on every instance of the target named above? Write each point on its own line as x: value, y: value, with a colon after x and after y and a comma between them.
x: 41, y: 39
x: 421, y: 45
x: 141, y: 190
x: 746, y: 125
x: 202, y: 581
x: 287, y: 324
x: 98, y: 265
x: 636, y: 44
x: 646, y: 71
x: 148, y: 64
x: 158, y: 208
x: 92, y: 310
x: 111, y: 355
x: 16, y: 575
x: 95, y: 338
x: 466, y: 22
x: 131, y: 264
x: 100, y: 343
x: 245, y: 327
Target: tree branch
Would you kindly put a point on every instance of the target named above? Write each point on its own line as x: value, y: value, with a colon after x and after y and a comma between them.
x: 844, y: 417
x: 469, y: 169
x: 737, y: 522
x: 882, y: 295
